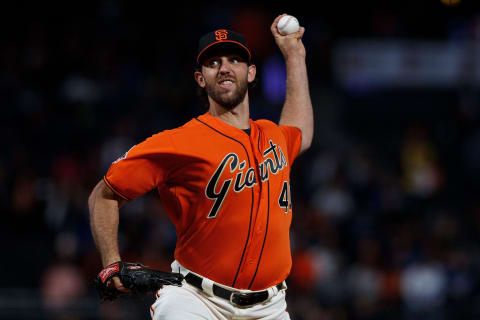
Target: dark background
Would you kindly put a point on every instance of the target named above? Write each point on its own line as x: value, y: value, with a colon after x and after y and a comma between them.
x: 386, y: 207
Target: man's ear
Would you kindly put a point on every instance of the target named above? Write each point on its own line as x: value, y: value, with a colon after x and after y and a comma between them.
x: 199, y: 78
x: 252, y: 71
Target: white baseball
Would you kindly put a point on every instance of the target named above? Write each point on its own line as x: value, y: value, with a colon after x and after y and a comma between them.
x: 288, y: 24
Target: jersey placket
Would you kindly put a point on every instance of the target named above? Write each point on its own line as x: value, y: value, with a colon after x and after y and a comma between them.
x: 253, y: 252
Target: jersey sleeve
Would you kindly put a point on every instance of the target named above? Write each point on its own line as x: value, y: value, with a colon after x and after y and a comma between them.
x: 293, y: 136
x: 143, y: 167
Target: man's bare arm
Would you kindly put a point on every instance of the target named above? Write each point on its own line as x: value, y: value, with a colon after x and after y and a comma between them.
x: 297, y: 110
x: 104, y: 207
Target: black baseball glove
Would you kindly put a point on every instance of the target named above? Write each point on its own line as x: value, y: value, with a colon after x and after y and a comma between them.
x: 134, y: 276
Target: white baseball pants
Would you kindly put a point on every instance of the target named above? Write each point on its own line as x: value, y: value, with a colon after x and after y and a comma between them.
x: 188, y: 302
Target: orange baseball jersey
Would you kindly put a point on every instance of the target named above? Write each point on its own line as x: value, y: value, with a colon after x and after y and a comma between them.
x: 226, y: 192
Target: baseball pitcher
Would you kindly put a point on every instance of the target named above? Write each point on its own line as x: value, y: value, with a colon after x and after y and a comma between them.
x: 224, y: 180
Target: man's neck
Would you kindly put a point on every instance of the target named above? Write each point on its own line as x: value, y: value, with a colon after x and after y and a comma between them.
x: 237, y: 117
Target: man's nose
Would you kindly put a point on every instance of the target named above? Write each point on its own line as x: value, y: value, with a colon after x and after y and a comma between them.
x: 224, y: 66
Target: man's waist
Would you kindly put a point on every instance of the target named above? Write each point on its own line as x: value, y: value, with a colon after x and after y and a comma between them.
x: 237, y: 297
x: 227, y: 277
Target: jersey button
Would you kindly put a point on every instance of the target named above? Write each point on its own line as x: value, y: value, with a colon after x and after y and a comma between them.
x: 259, y: 230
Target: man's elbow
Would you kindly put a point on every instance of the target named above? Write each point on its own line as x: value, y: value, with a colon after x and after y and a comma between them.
x: 306, y: 144
x: 98, y: 191
x: 91, y: 200
x: 307, y: 138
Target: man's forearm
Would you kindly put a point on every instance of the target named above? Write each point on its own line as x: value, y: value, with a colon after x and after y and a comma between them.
x: 297, y: 110
x: 104, y: 217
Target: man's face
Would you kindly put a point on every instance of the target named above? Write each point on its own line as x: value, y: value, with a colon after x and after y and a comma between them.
x: 225, y: 78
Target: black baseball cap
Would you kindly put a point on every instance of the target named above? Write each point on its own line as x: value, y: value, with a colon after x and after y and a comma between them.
x: 222, y: 40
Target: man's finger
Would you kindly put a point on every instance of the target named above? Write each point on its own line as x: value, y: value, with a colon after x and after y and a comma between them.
x: 273, y: 27
x: 117, y: 284
x: 300, y: 32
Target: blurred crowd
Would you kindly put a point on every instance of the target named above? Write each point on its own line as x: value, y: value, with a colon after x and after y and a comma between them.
x: 386, y: 209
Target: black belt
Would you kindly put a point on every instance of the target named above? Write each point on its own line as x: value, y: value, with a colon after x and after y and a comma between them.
x: 236, y: 298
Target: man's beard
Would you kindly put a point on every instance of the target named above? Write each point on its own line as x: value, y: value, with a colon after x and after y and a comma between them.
x: 230, y: 101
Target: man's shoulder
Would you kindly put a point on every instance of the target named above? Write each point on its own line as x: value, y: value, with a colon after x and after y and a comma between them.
x: 169, y: 133
x: 265, y: 123
x: 268, y: 124
x: 188, y: 131
x: 188, y: 126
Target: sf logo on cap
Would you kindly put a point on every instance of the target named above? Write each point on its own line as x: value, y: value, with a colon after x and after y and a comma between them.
x: 221, y: 34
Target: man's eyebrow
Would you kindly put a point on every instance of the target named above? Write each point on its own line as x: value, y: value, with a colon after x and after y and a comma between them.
x: 228, y: 55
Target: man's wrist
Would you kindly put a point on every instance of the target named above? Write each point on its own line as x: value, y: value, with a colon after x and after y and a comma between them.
x: 294, y: 59
x: 110, y: 260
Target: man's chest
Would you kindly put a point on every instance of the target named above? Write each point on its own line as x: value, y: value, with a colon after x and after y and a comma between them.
x: 234, y: 172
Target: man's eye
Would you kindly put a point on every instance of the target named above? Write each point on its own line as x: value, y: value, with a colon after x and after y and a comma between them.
x: 213, y: 63
x: 235, y: 60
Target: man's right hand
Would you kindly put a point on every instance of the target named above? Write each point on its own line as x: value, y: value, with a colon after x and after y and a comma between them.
x: 290, y: 45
